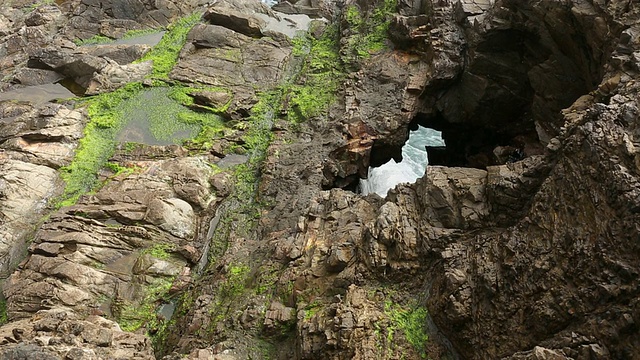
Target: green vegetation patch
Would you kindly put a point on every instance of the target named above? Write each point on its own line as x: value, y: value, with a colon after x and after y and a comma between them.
x: 134, y: 316
x: 159, y: 251
x: 228, y: 290
x: 97, y: 145
x: 155, y: 118
x: 165, y: 54
x: 411, y: 321
x: 321, y: 76
x: 4, y: 318
x: 167, y: 119
x: 149, y: 116
x: 312, y: 309
x: 369, y: 33
x: 94, y: 40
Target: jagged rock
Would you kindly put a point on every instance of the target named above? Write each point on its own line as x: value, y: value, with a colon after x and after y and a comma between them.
x: 510, y: 187
x: 62, y: 334
x: 30, y: 77
x: 48, y: 135
x: 238, y: 21
x: 278, y: 315
x: 455, y: 196
x: 24, y: 190
x: 121, y: 54
x: 43, y: 15
x: 220, y: 56
x: 529, y: 256
x: 97, y: 247
x: 114, y: 18
x: 214, y: 99
x: 93, y: 73
x: 540, y: 353
x: 114, y: 76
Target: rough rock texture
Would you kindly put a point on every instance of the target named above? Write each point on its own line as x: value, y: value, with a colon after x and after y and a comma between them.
x: 530, y: 259
x: 35, y: 141
x: 520, y: 244
x: 243, y: 47
x: 61, y: 334
x: 92, y: 255
x: 96, y: 74
x: 112, y: 18
x: 222, y: 57
x: 37, y: 40
x: 43, y: 135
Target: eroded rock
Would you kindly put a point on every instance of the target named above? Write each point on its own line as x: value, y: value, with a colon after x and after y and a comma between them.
x: 60, y: 333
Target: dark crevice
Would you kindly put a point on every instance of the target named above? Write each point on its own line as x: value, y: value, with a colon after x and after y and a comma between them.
x: 349, y: 183
x: 381, y: 152
x: 506, y: 104
x: 73, y: 86
x: 477, y: 146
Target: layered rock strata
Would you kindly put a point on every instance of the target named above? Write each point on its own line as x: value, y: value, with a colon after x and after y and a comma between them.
x: 520, y: 244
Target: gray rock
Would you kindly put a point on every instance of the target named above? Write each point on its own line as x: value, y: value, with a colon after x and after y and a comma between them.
x: 85, y: 337
x: 24, y: 190
x: 121, y: 54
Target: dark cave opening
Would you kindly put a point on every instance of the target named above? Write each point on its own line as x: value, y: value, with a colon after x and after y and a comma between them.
x: 477, y: 146
x: 505, y: 103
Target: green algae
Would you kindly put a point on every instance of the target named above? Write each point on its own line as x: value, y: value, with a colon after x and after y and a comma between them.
x: 369, y: 31
x: 322, y: 74
x: 411, y: 321
x: 168, y: 120
x: 165, y: 54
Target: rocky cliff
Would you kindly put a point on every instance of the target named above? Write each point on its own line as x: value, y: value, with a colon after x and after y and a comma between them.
x: 198, y: 196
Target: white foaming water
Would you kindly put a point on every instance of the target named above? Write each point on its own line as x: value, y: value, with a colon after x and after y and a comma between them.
x: 270, y: 2
x: 413, y: 164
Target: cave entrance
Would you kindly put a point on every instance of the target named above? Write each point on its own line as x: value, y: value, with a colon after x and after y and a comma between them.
x: 411, y: 165
x: 465, y: 145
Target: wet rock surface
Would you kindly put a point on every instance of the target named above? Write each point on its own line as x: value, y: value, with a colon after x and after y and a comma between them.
x: 520, y: 244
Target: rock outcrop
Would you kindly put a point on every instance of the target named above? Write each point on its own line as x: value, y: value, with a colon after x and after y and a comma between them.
x: 519, y: 242
x: 61, y: 334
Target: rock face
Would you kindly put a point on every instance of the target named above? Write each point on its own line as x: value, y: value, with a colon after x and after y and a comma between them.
x: 112, y: 18
x: 242, y: 47
x: 509, y: 254
x: 519, y: 242
x: 115, y: 242
x: 60, y: 334
x: 36, y: 140
x: 38, y: 39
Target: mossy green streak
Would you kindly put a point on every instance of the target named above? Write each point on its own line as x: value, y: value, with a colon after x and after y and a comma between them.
x: 411, y: 321
x: 107, y: 117
x: 368, y: 34
x: 165, y: 54
x: 312, y: 93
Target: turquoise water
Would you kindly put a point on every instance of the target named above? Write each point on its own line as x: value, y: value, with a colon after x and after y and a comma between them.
x: 411, y: 168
